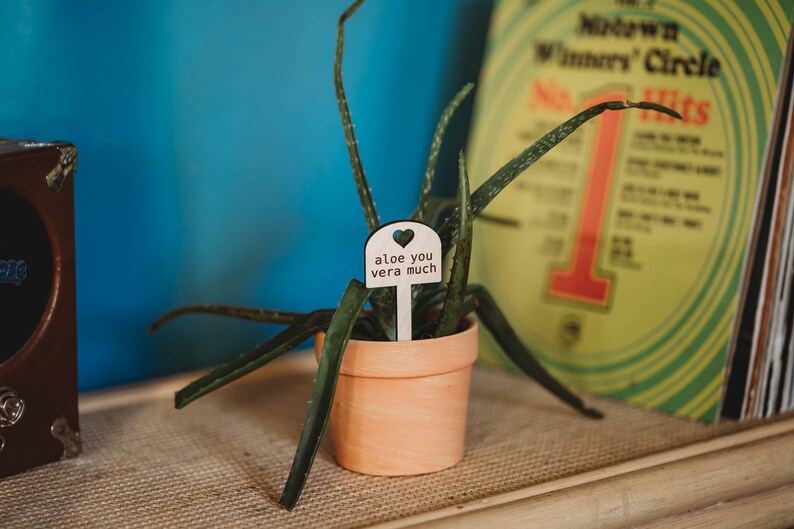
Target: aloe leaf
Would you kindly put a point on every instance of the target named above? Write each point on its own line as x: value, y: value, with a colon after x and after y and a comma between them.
x: 260, y: 355
x: 425, y: 301
x: 436, y: 207
x: 429, y: 210
x: 364, y: 191
x: 452, y: 311
x: 508, y: 172
x: 383, y: 300
x: 367, y: 328
x: 428, y: 328
x: 383, y: 310
x: 505, y: 336
x: 339, y: 330
x: 243, y: 313
x: 435, y: 148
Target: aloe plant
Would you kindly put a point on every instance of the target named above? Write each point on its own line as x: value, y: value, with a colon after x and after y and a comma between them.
x: 456, y: 299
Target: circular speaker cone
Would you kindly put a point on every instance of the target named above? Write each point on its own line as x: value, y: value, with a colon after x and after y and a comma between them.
x: 25, y: 272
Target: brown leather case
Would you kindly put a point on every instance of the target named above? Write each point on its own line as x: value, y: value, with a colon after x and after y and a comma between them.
x: 38, y: 373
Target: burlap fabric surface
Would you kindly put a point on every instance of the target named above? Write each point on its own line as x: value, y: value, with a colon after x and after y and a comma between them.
x: 222, y: 461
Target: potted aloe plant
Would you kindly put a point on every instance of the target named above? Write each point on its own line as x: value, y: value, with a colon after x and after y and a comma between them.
x: 355, y: 342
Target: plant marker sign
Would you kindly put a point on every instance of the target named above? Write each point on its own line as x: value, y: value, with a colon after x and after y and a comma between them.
x: 400, y: 254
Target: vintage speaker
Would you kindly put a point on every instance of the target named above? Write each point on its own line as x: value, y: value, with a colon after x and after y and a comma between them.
x: 38, y: 339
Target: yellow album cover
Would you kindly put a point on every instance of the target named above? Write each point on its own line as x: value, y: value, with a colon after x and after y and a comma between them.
x: 618, y: 257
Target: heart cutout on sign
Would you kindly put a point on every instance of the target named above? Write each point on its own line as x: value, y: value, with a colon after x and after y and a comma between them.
x: 403, y: 237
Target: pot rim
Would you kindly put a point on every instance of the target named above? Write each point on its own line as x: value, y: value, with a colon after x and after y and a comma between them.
x: 409, y: 359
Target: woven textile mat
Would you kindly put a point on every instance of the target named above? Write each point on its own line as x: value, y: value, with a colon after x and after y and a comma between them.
x: 222, y: 461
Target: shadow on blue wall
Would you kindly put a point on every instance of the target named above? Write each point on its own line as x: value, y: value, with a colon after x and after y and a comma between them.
x: 212, y: 163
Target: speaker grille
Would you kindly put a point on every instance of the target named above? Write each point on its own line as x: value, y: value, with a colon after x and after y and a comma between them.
x: 25, y: 272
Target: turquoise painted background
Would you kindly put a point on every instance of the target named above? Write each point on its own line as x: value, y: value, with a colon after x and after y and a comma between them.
x: 212, y: 164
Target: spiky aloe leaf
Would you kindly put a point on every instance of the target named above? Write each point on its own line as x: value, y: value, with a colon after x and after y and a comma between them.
x: 426, y: 301
x: 435, y: 148
x: 496, y: 323
x: 260, y: 355
x: 364, y: 192
x: 427, y: 330
x: 339, y: 330
x: 508, y: 172
x: 479, y: 299
x: 242, y: 313
x: 436, y: 207
x: 367, y: 328
x: 452, y: 311
x: 383, y: 307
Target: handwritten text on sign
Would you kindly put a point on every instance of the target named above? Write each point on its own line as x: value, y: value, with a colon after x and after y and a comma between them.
x: 400, y: 254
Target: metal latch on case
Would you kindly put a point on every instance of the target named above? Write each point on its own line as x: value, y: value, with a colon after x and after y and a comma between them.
x: 12, y: 407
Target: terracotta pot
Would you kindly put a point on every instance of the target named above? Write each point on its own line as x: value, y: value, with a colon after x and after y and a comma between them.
x: 400, y: 407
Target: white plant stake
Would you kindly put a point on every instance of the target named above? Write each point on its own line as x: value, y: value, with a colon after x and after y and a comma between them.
x: 388, y: 263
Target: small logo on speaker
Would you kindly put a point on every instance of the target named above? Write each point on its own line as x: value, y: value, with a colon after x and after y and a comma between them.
x: 13, y: 272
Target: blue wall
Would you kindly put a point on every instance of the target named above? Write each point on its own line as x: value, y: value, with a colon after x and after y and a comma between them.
x: 212, y: 163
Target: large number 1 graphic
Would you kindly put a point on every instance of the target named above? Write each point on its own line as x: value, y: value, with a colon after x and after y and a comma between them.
x: 580, y: 281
